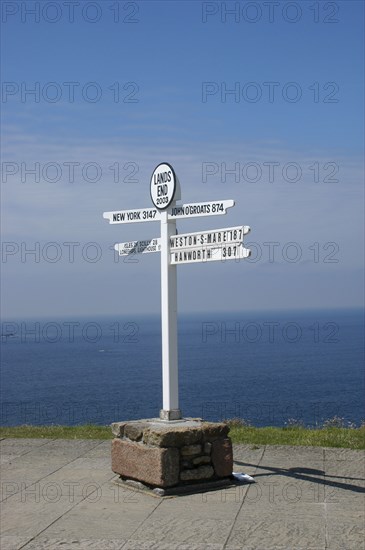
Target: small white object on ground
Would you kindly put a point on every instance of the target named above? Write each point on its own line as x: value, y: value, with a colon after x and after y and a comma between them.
x: 243, y: 477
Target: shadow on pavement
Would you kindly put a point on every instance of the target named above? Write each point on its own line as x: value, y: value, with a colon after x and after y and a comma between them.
x: 305, y: 475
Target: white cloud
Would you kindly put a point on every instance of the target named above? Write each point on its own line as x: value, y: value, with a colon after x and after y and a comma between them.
x: 305, y: 212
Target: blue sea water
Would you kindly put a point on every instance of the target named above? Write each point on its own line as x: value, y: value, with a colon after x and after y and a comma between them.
x: 265, y: 367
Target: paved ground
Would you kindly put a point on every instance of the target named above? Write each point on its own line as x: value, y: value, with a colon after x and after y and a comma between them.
x: 59, y: 494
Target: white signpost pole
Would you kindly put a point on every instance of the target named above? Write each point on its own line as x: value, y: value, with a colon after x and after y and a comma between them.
x: 165, y: 191
x: 170, y: 385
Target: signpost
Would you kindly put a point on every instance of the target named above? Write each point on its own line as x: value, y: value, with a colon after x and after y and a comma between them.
x: 204, y: 246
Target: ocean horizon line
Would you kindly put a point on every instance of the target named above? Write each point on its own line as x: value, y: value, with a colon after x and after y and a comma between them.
x: 189, y: 314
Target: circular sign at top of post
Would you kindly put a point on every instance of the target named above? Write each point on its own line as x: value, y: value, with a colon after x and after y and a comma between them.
x: 163, y: 185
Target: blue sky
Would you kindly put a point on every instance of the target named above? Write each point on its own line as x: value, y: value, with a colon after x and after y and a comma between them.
x: 305, y: 69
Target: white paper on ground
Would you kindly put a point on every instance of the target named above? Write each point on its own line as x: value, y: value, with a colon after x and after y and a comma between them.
x: 243, y: 477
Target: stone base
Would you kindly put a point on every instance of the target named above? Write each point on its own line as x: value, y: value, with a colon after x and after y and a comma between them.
x: 182, y: 489
x: 163, y: 454
x: 174, y: 414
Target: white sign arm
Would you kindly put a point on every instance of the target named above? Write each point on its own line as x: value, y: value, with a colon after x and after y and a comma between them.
x: 133, y: 216
x: 138, y: 247
x: 192, y: 210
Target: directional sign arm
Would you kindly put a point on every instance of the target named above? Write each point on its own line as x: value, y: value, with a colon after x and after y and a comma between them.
x: 232, y: 251
x: 199, y: 239
x: 192, y: 210
x: 133, y: 216
x: 138, y: 247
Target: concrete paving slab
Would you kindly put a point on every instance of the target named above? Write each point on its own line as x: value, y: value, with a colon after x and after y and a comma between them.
x: 298, y: 452
x: 270, y: 493
x: 157, y: 545
x: 18, y: 479
x: 342, y: 468
x: 273, y: 458
x: 100, y: 451
x: 26, y: 443
x: 351, y: 497
x: 71, y: 448
x: 234, y: 494
x: 346, y: 483
x: 10, y: 449
x: 70, y: 482
x: 102, y: 544
x: 281, y: 548
x: 33, y: 514
x: 344, y: 454
x: 189, y: 529
x: 40, y: 461
x: 87, y: 463
x: 342, y: 534
x: 293, y: 467
x: 310, y: 498
x: 249, y: 453
x: 289, y: 484
x: 46, y: 543
x: 9, y: 457
x: 279, y: 528
x: 103, y: 516
x: 13, y: 542
x: 353, y: 511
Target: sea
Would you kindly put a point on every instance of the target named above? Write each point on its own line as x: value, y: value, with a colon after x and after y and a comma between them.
x: 266, y: 368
